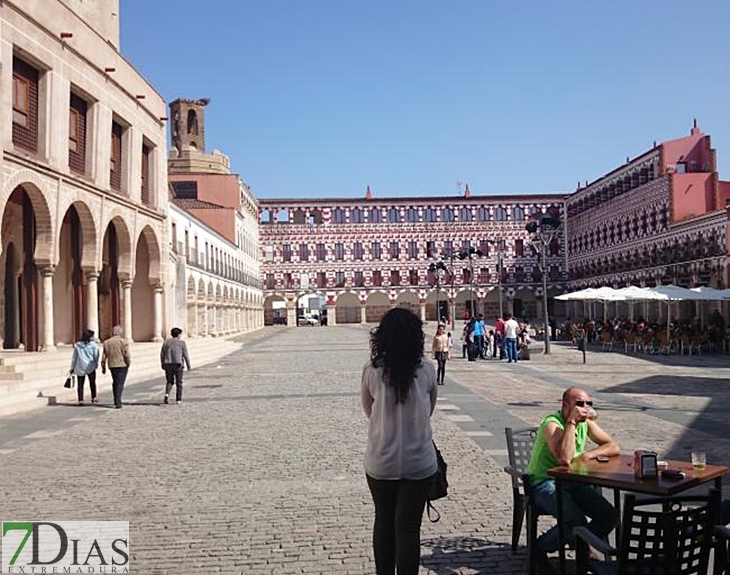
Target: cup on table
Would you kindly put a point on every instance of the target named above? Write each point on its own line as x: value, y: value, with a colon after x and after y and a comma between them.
x: 699, y: 460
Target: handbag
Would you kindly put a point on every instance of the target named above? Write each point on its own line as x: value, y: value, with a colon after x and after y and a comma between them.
x: 70, y: 381
x: 439, y: 486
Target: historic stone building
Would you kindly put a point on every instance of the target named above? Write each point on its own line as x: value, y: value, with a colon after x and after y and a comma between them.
x: 659, y: 219
x: 213, y: 228
x: 364, y: 255
x: 83, y: 190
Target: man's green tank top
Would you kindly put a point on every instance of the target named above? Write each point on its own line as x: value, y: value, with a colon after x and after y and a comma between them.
x: 542, y: 458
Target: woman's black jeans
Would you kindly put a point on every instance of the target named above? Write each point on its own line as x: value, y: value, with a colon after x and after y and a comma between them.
x: 399, y: 508
x: 80, y: 385
x: 441, y: 357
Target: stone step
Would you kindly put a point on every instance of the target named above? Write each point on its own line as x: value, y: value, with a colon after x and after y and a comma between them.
x: 41, y: 375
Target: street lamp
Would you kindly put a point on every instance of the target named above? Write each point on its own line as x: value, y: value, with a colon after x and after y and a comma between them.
x: 435, y: 268
x: 544, y: 230
x: 499, y: 244
x: 469, y: 254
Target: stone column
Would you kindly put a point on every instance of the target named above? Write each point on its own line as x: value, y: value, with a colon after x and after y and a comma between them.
x: 127, y: 309
x: 157, y: 333
x: 422, y: 309
x: 331, y: 314
x: 92, y: 301
x: 47, y: 342
x: 363, y: 314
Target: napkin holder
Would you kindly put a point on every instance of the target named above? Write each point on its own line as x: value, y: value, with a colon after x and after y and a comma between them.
x: 645, y: 464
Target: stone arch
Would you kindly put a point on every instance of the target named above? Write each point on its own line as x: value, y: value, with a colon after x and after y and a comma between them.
x: 124, y: 239
x: 34, y: 186
x: 409, y: 300
x: 275, y: 314
x: 154, y: 253
x: 89, y: 245
x: 347, y: 308
x: 191, y: 301
x: 376, y: 305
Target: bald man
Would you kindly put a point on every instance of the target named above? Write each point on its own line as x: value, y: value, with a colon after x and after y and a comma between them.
x: 561, y: 440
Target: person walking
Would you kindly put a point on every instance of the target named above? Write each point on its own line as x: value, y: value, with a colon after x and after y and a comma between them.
x: 84, y: 361
x: 440, y: 351
x: 398, y: 393
x: 116, y: 354
x: 172, y: 355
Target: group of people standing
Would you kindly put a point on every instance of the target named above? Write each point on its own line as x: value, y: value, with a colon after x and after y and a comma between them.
x: 116, y: 356
x: 509, y: 338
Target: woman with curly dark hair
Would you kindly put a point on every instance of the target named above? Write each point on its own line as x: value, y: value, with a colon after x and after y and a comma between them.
x: 398, y: 395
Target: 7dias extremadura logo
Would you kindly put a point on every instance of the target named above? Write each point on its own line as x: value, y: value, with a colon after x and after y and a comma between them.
x: 65, y: 547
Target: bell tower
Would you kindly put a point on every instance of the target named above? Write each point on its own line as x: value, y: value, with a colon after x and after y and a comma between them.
x: 188, y: 124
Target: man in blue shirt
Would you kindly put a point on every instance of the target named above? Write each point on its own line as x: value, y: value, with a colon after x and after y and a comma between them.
x: 479, y: 335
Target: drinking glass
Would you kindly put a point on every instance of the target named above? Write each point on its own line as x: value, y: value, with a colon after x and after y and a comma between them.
x: 699, y: 460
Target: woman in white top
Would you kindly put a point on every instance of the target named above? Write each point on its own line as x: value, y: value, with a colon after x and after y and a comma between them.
x: 398, y: 395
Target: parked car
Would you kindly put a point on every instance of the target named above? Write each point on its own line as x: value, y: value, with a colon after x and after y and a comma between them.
x: 308, y: 319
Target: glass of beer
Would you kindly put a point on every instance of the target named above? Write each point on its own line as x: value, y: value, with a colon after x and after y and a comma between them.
x: 699, y: 460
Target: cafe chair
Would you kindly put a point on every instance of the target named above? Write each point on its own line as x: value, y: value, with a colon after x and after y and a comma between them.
x: 519, y: 449
x: 659, y: 535
x: 722, y: 550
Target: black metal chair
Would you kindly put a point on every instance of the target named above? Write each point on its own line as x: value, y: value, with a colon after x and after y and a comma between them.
x: 722, y: 550
x: 519, y: 448
x: 659, y: 536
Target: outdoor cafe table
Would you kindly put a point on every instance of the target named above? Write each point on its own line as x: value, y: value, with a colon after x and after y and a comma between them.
x: 618, y: 474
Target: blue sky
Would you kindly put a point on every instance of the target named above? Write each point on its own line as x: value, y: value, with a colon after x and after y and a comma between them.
x: 320, y: 98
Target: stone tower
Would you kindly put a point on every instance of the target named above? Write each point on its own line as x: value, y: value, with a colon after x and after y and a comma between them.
x: 187, y: 137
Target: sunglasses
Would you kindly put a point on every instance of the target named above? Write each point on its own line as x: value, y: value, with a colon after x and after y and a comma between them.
x: 581, y: 403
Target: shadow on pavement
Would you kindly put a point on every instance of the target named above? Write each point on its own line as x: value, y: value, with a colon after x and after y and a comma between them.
x: 451, y: 555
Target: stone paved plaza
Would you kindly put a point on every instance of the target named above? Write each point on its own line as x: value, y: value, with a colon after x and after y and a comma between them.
x: 260, y: 469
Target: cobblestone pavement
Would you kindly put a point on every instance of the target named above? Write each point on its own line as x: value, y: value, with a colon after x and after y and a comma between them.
x: 260, y: 469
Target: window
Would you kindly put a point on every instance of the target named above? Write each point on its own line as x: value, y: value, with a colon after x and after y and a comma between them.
x: 268, y: 254
x: 356, y: 216
x: 413, y: 277
x: 25, y: 105
x: 115, y: 162
x: 339, y: 279
x: 377, y: 278
x: 77, y: 135
x: 482, y: 214
x: 413, y: 250
x: 465, y: 214
x: 448, y: 248
x: 394, y: 250
x: 174, y: 237
x: 339, y: 252
x: 500, y: 214
x: 357, y: 250
x: 431, y: 249
x: 359, y: 279
x: 518, y: 214
x: 447, y: 215
x: 321, y: 279
x: 338, y: 216
x: 270, y: 281
x: 145, y: 191
x: 411, y: 215
x: 394, y: 277
x: 299, y: 217
x: 286, y: 252
x: 519, y: 248
x: 375, y: 216
x: 394, y: 215
x: 484, y: 247
x: 429, y: 215
x: 303, y: 253
x: 288, y: 281
x: 321, y: 252
x: 376, y: 251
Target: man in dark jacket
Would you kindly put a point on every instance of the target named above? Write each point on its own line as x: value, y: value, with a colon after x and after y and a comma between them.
x: 174, y: 352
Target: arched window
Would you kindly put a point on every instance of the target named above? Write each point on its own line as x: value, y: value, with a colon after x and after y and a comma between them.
x: 447, y: 214
x: 518, y: 214
x: 282, y: 216
x: 394, y: 215
x: 465, y: 214
x: 316, y: 216
x: 500, y: 214
x: 192, y: 123
x: 299, y: 216
x: 482, y: 214
x: 338, y: 216
x: 374, y: 216
x: 265, y: 216
x: 411, y: 215
x: 356, y: 216
x: 429, y: 215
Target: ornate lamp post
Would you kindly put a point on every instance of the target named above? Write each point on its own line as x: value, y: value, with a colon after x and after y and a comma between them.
x: 470, y: 254
x: 436, y: 268
x: 499, y: 244
x: 544, y: 230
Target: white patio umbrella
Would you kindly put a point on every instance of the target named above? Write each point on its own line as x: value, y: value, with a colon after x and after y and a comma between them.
x: 671, y: 293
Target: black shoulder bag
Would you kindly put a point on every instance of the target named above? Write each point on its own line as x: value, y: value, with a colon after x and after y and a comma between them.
x: 439, y: 487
